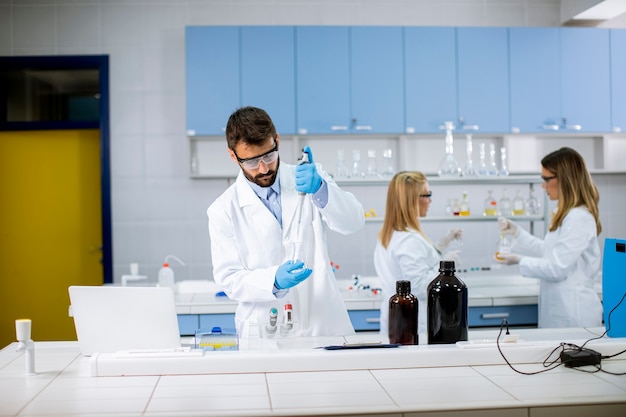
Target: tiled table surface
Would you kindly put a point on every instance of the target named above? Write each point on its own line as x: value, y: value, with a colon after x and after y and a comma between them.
x: 63, y: 387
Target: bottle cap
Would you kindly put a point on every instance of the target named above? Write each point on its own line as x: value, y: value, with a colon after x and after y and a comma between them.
x: 446, y: 266
x: 165, y: 265
x: 288, y: 307
x: 403, y: 287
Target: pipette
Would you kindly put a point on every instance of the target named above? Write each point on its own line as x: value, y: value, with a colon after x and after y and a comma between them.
x: 304, y: 159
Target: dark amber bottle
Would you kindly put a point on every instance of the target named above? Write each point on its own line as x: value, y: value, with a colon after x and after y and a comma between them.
x: 447, y: 307
x: 403, y: 315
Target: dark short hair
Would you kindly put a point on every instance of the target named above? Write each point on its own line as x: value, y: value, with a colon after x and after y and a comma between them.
x: 250, y: 125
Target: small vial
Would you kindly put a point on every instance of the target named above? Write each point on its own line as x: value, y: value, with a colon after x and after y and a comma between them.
x: 456, y: 207
x: 465, y: 206
x: 288, y: 317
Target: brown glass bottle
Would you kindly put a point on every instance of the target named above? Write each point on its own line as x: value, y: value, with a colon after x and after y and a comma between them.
x: 447, y: 307
x: 403, y: 315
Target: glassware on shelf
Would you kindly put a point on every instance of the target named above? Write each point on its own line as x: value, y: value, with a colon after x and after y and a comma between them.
x: 505, y: 205
x: 388, y: 157
x: 371, y: 170
x: 341, y: 171
x: 491, y: 205
x: 482, y: 167
x: 503, y: 247
x: 469, y: 163
x: 504, y: 171
x: 465, y: 205
x: 448, y: 208
x: 533, y: 204
x: 448, y: 166
x: 456, y: 207
x: 493, y: 168
x: 357, y: 171
x: 518, y: 204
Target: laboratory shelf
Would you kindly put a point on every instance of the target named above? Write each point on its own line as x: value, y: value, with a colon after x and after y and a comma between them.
x: 473, y: 218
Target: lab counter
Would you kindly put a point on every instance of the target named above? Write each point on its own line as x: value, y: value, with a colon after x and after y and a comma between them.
x: 296, y: 378
x: 494, y: 294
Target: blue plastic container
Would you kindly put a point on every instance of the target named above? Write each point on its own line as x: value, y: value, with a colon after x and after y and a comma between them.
x: 614, y: 286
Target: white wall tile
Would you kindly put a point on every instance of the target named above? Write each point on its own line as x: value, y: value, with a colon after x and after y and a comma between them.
x: 128, y: 156
x: 34, y: 26
x: 122, y: 24
x: 78, y: 25
x: 126, y: 112
x: 164, y: 113
x: 126, y: 68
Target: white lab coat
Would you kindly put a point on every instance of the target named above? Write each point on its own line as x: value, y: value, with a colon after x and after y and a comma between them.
x: 567, y: 262
x: 248, y: 245
x: 408, y: 257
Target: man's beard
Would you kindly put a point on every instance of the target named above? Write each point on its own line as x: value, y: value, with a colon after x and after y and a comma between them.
x: 263, y: 180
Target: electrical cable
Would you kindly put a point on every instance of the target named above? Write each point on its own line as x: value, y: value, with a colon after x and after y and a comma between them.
x: 565, y: 347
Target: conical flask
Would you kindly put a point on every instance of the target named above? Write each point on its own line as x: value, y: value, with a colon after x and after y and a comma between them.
x: 449, y: 167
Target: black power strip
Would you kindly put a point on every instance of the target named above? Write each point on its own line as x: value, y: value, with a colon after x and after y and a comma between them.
x: 573, y: 358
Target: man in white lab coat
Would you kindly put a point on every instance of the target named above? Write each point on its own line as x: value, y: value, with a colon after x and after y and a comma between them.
x: 268, y: 236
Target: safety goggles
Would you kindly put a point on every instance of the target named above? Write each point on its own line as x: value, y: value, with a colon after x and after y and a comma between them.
x: 254, y: 162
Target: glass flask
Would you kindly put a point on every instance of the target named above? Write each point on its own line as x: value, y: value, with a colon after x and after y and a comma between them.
x: 341, y: 171
x: 469, y: 163
x: 482, y: 167
x: 456, y: 207
x: 518, y: 204
x: 371, y: 170
x: 403, y: 311
x: 493, y: 168
x: 491, y: 205
x: 448, y: 208
x: 465, y: 206
x: 533, y: 204
x: 505, y: 205
x: 357, y: 172
x: 448, y: 167
x: 388, y: 157
x: 447, y: 307
x: 503, y: 247
x: 504, y: 171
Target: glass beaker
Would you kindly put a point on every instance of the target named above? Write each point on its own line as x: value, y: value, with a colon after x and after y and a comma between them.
x: 491, y: 205
x: 505, y: 205
x: 449, y: 167
x: 518, y: 204
x: 371, y: 170
x: 357, y: 172
x: 341, y: 171
x: 388, y: 156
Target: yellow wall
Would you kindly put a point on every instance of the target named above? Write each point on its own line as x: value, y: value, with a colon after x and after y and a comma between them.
x: 50, y: 227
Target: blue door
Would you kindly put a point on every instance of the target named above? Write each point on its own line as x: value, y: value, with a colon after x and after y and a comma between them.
x: 268, y: 73
x: 483, y: 78
x: 323, y: 79
x: 212, y: 77
x: 430, y: 78
x: 377, y: 85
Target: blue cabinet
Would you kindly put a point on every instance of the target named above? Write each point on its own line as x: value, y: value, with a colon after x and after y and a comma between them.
x: 268, y: 73
x: 323, y: 79
x: 350, y: 80
x: 518, y: 315
x: 212, y: 77
x: 483, y: 79
x: 430, y: 78
x: 618, y: 80
x: 376, y: 79
x: 365, y: 320
x: 189, y: 323
x: 560, y: 80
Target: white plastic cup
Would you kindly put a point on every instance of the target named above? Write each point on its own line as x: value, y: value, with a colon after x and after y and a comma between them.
x: 22, y: 329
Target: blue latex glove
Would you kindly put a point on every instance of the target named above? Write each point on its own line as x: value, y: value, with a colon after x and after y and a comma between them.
x: 291, y: 274
x: 307, y: 179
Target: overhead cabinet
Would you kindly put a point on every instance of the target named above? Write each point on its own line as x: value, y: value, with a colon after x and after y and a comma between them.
x: 230, y: 67
x: 618, y: 80
x: 560, y: 80
x: 349, y: 80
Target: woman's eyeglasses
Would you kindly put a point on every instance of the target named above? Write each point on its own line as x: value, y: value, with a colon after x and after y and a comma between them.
x: 429, y: 195
x: 254, y: 162
x: 547, y: 179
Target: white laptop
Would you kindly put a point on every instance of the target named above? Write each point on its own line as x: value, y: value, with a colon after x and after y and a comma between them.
x: 110, y: 319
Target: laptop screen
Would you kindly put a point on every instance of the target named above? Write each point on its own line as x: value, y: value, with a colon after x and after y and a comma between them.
x: 110, y: 319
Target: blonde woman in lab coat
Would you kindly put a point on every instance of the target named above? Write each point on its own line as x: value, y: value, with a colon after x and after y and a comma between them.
x: 403, y: 251
x: 254, y: 232
x: 568, y: 260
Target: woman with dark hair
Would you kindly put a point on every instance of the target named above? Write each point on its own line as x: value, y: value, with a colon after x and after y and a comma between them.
x: 403, y: 251
x: 568, y: 260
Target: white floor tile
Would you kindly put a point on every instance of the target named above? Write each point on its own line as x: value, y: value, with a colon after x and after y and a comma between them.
x: 424, y: 373
x: 258, y: 403
x: 305, y: 377
x: 222, y: 379
x: 330, y: 399
x: 536, y: 391
x: 85, y: 407
x: 209, y: 391
x: 55, y: 393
